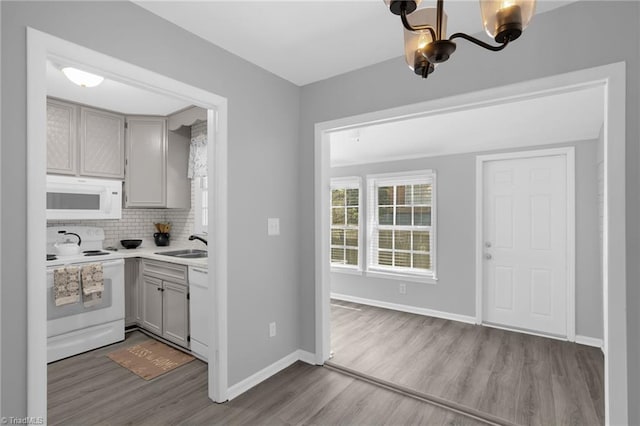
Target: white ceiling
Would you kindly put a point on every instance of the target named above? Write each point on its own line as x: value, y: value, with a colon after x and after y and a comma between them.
x: 566, y: 117
x: 307, y: 41
x: 110, y: 95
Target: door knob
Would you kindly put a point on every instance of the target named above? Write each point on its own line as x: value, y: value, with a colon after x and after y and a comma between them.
x: 488, y: 256
x: 487, y: 244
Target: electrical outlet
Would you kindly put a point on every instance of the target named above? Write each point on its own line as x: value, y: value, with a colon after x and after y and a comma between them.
x: 402, y: 288
x: 272, y: 329
x: 273, y: 226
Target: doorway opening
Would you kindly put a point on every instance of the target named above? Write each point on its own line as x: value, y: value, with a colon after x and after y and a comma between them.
x: 42, y: 47
x: 610, y: 81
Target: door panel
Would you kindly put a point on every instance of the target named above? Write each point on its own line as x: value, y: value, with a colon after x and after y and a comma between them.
x: 176, y: 313
x: 152, y: 304
x: 525, y: 246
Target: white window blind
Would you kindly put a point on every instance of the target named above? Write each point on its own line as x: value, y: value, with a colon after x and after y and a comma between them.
x: 401, y: 218
x: 345, y: 223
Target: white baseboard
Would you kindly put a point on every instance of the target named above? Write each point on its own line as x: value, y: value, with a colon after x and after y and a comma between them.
x: 262, y: 375
x: 590, y: 341
x: 405, y: 308
x: 307, y: 357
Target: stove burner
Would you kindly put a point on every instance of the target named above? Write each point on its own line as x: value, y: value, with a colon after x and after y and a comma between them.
x: 51, y: 257
x: 95, y: 253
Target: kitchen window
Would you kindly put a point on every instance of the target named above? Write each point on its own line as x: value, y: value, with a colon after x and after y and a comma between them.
x: 402, y: 225
x: 345, y: 224
x: 201, y: 201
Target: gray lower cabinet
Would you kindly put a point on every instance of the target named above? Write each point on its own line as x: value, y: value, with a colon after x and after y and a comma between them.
x: 165, y: 301
x: 175, y: 313
x: 152, y: 305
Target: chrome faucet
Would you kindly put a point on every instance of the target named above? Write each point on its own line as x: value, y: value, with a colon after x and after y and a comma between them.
x: 195, y: 237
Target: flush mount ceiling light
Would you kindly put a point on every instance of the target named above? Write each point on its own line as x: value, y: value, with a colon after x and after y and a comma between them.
x: 82, y: 78
x: 425, y: 41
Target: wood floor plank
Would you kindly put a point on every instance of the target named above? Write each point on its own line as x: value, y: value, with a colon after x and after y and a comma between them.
x: 90, y: 389
x: 522, y: 378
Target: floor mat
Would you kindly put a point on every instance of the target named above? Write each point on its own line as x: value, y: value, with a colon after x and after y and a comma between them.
x: 150, y: 359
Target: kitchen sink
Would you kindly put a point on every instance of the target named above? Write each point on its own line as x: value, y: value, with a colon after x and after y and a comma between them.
x: 185, y: 254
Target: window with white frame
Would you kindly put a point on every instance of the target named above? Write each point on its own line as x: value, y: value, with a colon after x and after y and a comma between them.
x: 401, y: 217
x: 201, y: 205
x: 345, y: 223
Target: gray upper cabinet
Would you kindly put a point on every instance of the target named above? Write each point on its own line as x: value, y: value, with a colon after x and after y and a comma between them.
x: 61, y: 137
x: 146, y: 162
x: 101, y: 143
x: 156, y: 165
x: 84, y: 141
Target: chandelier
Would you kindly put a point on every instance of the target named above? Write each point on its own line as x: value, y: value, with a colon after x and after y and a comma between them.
x: 425, y: 41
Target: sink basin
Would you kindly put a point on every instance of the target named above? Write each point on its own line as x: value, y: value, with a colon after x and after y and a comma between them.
x: 185, y: 254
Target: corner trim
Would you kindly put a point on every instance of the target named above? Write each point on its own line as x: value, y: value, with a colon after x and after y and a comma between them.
x: 405, y: 308
x: 271, y: 370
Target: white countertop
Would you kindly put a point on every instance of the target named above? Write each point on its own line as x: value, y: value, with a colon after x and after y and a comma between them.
x: 150, y: 253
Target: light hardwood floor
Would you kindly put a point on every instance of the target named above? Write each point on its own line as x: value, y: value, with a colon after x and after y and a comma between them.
x: 517, y: 377
x: 91, y: 389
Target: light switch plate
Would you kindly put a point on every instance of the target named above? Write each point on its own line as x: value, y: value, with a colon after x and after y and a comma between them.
x: 273, y: 226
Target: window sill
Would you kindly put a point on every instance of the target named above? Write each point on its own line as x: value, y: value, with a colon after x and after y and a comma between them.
x: 426, y: 279
x: 346, y: 270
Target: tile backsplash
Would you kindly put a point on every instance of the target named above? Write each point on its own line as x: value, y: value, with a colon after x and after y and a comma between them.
x: 139, y: 223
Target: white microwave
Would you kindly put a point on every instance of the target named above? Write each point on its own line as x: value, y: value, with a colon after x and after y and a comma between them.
x: 71, y: 197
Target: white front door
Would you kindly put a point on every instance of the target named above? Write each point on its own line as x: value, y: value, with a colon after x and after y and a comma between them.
x: 525, y: 243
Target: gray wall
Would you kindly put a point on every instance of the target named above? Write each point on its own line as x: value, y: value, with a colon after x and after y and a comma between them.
x: 455, y: 290
x: 263, y: 156
x: 561, y: 41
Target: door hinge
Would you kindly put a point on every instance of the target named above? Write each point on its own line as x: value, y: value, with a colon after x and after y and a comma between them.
x: 126, y: 124
x: 188, y: 338
x: 188, y: 296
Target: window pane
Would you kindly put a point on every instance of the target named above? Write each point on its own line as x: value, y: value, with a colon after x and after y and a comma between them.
x: 403, y: 240
x: 351, y: 237
x: 403, y: 194
x: 352, y: 197
x: 385, y: 215
x: 352, y: 257
x: 403, y: 215
x: 402, y: 260
x: 352, y: 215
x: 385, y: 196
x: 384, y: 258
x: 421, y: 194
x: 337, y: 197
x: 421, y: 241
x: 337, y: 255
x: 337, y: 237
x: 422, y: 216
x: 422, y: 261
x: 384, y: 239
x: 337, y: 216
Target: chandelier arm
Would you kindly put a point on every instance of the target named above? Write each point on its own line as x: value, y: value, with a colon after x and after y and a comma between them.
x: 480, y: 42
x: 408, y: 26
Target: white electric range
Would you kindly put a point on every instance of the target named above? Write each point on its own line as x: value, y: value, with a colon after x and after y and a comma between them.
x: 75, y: 327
